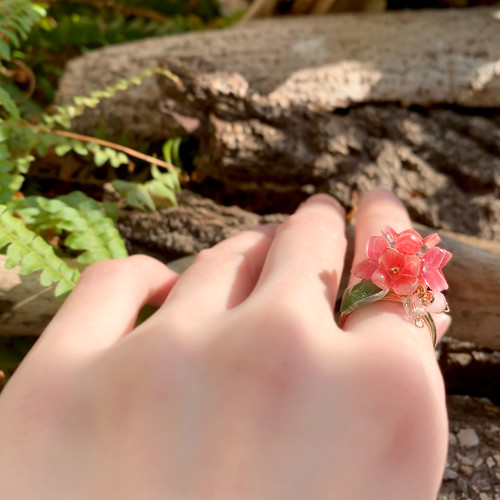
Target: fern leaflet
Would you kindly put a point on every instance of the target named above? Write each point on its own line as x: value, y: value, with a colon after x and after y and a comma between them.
x: 91, y: 230
x: 29, y: 251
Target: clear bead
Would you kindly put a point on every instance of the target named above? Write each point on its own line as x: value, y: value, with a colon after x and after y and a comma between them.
x: 413, y: 308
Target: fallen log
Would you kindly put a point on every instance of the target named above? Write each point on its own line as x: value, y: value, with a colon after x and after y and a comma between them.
x: 422, y: 57
x: 473, y: 273
x: 285, y: 107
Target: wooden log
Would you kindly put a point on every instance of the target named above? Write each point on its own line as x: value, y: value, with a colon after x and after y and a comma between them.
x: 264, y: 101
x: 473, y: 273
x: 318, y: 63
x: 25, y: 306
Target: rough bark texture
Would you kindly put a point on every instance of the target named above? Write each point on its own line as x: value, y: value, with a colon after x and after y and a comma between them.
x: 320, y: 63
x: 269, y: 104
x: 15, y: 290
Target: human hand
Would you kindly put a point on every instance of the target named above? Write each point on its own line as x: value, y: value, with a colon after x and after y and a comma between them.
x: 240, y: 386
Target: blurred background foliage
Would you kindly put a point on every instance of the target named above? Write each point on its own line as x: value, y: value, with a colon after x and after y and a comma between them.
x: 74, y: 27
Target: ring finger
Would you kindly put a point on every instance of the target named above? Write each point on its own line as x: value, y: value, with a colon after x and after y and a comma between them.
x: 378, y: 209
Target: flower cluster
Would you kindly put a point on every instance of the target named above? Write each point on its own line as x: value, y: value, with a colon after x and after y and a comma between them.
x: 410, y: 266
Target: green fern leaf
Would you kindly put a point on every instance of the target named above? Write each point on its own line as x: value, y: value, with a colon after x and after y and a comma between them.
x: 91, y: 231
x: 9, y: 105
x: 4, y: 50
x: 32, y: 253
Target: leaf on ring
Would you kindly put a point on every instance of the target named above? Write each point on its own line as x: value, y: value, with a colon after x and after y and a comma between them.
x: 360, y: 294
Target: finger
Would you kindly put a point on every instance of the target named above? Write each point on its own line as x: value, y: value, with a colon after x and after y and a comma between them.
x: 443, y: 323
x: 105, y: 303
x: 221, y: 277
x: 377, y: 209
x: 305, y: 261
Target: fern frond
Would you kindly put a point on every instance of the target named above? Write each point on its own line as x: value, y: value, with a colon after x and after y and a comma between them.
x: 9, y: 105
x: 64, y: 114
x: 17, y: 17
x: 92, y: 232
x: 32, y: 253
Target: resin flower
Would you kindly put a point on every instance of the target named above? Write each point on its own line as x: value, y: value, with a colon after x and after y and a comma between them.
x: 401, y: 267
x: 397, y: 271
x: 432, y: 271
x: 402, y: 261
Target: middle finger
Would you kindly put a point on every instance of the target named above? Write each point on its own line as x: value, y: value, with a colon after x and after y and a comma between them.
x: 304, y: 264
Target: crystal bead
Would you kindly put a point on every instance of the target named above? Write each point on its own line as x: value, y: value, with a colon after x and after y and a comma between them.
x: 413, y: 308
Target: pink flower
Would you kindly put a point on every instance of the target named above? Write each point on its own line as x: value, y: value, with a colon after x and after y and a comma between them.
x: 433, y: 262
x: 409, y: 241
x: 396, y: 271
x: 402, y: 261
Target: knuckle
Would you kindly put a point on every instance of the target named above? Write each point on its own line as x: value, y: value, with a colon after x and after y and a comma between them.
x: 109, y: 269
x: 308, y: 218
x: 215, y: 258
x: 320, y: 223
x: 215, y: 255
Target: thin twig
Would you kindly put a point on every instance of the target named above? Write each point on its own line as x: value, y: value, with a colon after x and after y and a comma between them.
x: 102, y: 142
x: 27, y: 300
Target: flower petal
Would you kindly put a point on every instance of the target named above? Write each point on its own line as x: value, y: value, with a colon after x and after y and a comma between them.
x: 389, y: 231
x: 381, y: 278
x: 434, y: 257
x: 431, y: 241
x: 375, y: 247
x: 435, y: 279
x: 412, y: 265
x: 413, y: 307
x: 409, y: 242
x: 392, y: 260
x: 446, y: 258
x: 404, y: 285
x: 365, y: 268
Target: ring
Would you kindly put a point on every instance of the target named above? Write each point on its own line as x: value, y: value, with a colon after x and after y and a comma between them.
x: 405, y: 268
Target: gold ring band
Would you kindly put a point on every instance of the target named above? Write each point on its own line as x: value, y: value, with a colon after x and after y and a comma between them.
x: 423, y: 320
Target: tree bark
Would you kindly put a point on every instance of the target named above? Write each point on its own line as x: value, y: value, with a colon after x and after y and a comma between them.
x: 315, y: 63
x: 285, y: 107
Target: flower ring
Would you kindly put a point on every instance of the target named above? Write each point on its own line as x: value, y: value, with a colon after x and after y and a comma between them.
x: 405, y: 268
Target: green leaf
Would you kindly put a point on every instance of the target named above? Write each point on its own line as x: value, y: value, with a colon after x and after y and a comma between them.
x: 360, y: 294
x: 5, y: 133
x: 6, y: 166
x: 4, y: 151
x: 32, y: 253
x: 80, y: 149
x: 10, y: 35
x: 100, y: 157
x: 4, y: 50
x: 62, y: 149
x: 9, y: 105
x: 90, y: 230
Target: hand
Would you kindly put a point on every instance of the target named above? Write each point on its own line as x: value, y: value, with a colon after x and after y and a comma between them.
x: 241, y: 386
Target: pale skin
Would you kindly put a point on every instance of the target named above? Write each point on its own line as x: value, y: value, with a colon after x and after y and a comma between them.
x: 241, y: 385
